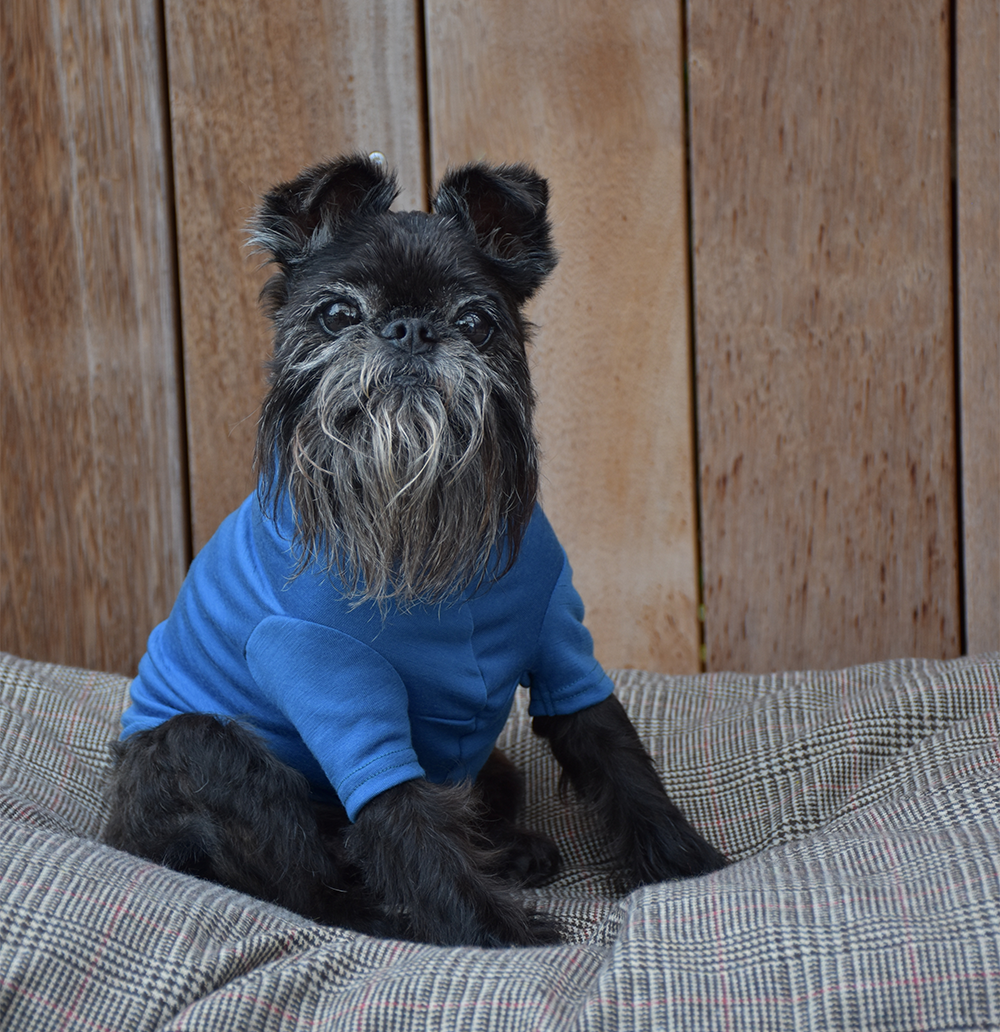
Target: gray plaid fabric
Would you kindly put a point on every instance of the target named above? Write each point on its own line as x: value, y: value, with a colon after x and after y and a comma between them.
x: 862, y: 806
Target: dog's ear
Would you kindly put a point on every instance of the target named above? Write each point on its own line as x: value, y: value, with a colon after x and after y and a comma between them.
x: 294, y: 217
x: 505, y: 209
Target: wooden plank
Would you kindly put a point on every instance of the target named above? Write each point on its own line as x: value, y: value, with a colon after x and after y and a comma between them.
x: 825, y: 362
x: 977, y: 49
x: 257, y: 93
x: 592, y: 98
x: 93, y: 518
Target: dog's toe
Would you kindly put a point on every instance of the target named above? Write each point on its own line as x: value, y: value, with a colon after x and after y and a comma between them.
x: 527, y: 858
x: 672, y: 850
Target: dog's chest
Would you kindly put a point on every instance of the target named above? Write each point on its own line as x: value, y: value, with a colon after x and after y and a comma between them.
x: 434, y: 652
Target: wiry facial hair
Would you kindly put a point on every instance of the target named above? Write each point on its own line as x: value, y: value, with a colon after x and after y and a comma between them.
x: 403, y: 484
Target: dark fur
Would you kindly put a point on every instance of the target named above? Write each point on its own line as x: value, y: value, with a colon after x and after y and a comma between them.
x: 406, y: 457
x: 399, y: 417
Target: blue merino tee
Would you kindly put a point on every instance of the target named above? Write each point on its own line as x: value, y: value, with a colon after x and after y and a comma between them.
x: 356, y: 698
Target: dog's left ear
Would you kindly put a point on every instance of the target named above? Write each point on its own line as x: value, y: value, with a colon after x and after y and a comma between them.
x: 505, y: 209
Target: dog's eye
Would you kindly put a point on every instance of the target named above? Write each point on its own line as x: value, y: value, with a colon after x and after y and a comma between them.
x: 338, y: 317
x: 475, y: 326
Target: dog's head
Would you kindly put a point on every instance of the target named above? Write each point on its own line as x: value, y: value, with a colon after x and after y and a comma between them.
x: 399, y: 415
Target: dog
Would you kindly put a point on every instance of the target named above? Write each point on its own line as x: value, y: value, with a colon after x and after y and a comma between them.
x: 314, y: 723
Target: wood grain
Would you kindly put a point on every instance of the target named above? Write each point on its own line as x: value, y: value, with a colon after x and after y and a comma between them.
x: 977, y: 50
x: 93, y: 519
x: 254, y: 99
x: 590, y: 94
x: 825, y: 363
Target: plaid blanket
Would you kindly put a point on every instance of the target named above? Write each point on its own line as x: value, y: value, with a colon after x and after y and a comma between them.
x: 862, y: 807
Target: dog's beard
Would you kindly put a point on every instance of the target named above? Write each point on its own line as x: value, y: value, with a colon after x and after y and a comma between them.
x: 404, y: 478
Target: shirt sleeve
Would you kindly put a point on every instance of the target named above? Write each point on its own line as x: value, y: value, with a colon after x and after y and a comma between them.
x: 565, y: 676
x: 347, y: 703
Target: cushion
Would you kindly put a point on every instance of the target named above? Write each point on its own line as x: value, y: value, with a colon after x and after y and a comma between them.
x: 861, y: 808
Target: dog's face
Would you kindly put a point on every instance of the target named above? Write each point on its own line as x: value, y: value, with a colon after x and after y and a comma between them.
x: 399, y: 416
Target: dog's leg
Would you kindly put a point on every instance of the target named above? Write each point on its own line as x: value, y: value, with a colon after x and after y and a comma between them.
x: 210, y: 799
x: 605, y: 761
x: 527, y: 858
x: 419, y: 853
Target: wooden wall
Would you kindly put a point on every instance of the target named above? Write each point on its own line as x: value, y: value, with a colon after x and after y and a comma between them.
x: 93, y: 538
x: 768, y: 363
x: 826, y: 353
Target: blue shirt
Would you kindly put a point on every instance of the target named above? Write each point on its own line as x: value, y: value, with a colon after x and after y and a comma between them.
x: 357, y: 698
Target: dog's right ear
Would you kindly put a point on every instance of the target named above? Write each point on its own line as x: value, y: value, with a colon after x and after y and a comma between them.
x: 296, y: 217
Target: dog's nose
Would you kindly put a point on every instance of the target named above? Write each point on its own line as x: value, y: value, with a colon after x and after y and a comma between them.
x: 411, y: 334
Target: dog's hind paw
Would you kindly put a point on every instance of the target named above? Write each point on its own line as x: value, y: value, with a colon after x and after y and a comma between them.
x: 525, y: 858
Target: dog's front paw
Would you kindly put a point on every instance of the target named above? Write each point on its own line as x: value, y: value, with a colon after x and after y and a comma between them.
x: 665, y: 847
x: 497, y: 922
x: 605, y: 761
x: 422, y: 857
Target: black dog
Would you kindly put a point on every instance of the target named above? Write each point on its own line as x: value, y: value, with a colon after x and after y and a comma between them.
x: 314, y: 723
